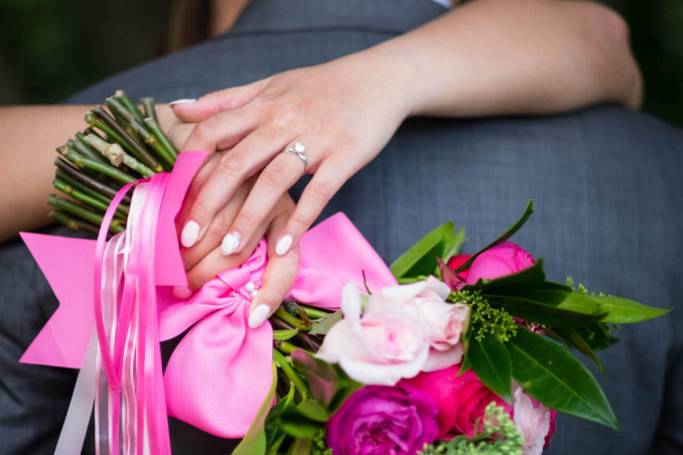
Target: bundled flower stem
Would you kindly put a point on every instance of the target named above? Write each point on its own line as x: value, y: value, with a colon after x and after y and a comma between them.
x: 123, y: 143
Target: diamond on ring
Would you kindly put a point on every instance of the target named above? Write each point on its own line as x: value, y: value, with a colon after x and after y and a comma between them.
x: 299, y: 150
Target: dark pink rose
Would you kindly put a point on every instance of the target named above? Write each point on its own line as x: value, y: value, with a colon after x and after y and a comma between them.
x: 462, y: 401
x: 380, y: 420
x: 503, y: 259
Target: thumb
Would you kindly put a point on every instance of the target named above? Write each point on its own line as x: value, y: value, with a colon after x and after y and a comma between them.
x: 193, y: 111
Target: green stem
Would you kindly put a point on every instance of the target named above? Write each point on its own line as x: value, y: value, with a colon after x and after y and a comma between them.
x: 149, y: 108
x: 294, y: 378
x: 91, y: 165
x: 128, y: 104
x: 148, y: 138
x: 291, y: 320
x: 128, y: 142
x: 286, y: 347
x: 121, y: 210
x: 99, y: 186
x: 82, y: 212
x: 161, y: 137
x: 72, y: 223
x: 65, y: 188
x: 314, y: 313
x: 85, y: 151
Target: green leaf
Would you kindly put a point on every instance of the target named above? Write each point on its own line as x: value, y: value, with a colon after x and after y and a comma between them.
x: 536, y: 311
x: 503, y: 237
x: 300, y: 446
x: 625, y: 311
x: 284, y: 334
x: 574, y: 338
x: 313, y: 410
x: 323, y: 325
x: 490, y: 360
x: 254, y: 441
x: 420, y: 259
x: 299, y: 427
x: 549, y: 373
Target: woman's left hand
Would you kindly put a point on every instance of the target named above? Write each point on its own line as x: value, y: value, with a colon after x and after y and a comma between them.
x: 342, y: 113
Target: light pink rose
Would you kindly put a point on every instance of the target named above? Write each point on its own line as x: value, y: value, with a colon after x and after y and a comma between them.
x: 442, y: 323
x: 378, y: 346
x: 402, y: 330
x: 535, y: 422
x: 503, y: 259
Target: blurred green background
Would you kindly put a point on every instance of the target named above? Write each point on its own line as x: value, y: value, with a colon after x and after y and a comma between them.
x: 49, y: 49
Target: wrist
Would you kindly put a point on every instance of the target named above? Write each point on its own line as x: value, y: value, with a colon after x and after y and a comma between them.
x: 391, y: 80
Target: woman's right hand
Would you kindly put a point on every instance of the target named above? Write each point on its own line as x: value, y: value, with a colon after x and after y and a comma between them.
x: 204, y: 259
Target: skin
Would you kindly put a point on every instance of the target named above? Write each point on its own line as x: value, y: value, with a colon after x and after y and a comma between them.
x: 487, y: 57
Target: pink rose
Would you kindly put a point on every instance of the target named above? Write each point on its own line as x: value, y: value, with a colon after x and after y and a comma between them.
x: 378, y: 420
x: 379, y: 346
x: 503, y: 259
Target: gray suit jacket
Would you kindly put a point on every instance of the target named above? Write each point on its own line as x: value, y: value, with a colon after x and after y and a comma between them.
x: 607, y: 184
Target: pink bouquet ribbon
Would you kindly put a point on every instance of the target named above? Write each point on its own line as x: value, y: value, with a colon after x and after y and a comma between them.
x: 220, y: 372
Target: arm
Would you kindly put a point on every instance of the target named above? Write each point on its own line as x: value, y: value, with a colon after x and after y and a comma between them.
x: 30, y: 135
x: 487, y: 57
x: 523, y: 57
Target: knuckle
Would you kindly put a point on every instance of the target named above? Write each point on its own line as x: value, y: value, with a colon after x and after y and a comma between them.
x: 322, y: 190
x: 276, y: 173
x: 245, y: 220
x: 201, y: 212
x: 231, y: 164
x: 202, y: 132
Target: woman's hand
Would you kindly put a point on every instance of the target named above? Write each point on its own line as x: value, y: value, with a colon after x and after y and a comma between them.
x: 342, y: 112
x: 204, y: 260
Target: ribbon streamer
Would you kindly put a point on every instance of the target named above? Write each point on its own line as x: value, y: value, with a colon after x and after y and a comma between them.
x: 220, y: 372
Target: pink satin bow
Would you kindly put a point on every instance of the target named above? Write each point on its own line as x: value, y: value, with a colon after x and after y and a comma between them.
x: 220, y: 372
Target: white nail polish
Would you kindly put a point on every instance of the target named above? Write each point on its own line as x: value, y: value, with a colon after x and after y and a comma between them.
x: 258, y: 315
x: 283, y: 245
x: 230, y: 243
x: 190, y: 234
x: 182, y: 292
x: 183, y: 101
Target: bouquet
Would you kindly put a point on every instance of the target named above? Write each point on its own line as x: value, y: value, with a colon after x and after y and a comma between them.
x: 440, y: 353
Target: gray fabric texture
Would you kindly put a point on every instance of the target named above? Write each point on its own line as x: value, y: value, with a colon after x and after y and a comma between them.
x: 606, y: 182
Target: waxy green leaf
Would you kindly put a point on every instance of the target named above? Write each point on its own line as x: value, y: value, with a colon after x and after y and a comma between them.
x: 625, y: 311
x: 552, y: 375
x: 420, y: 259
x: 490, y: 360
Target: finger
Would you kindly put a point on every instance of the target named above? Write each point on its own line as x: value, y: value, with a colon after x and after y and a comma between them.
x: 230, y: 98
x: 223, y: 130
x: 273, y: 182
x: 215, y: 262
x: 216, y: 229
x: 281, y: 272
x: 231, y: 170
x: 325, y: 183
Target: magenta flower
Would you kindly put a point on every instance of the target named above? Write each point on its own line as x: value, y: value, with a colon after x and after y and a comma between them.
x: 379, y: 420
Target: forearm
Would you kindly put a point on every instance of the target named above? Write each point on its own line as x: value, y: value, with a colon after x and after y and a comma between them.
x: 30, y: 135
x: 525, y: 57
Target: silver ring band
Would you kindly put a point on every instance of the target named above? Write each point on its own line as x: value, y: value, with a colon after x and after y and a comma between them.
x: 299, y: 149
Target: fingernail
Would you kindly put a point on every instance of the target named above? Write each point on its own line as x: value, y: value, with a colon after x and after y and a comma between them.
x: 258, y: 315
x: 190, y: 234
x: 283, y: 245
x: 182, y: 292
x: 182, y: 101
x: 230, y: 243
